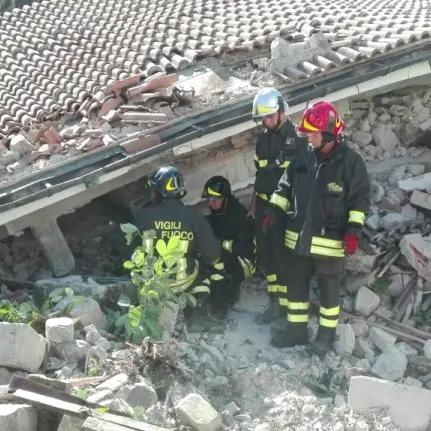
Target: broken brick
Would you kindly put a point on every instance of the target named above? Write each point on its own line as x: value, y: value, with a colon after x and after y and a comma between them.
x: 167, y: 111
x: 152, y: 83
x: 141, y: 143
x: 112, y: 115
x: 144, y: 117
x: 144, y: 97
x: 124, y: 83
x: 109, y: 105
x: 52, y: 136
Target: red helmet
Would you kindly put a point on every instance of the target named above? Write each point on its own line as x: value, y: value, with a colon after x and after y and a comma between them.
x: 320, y: 117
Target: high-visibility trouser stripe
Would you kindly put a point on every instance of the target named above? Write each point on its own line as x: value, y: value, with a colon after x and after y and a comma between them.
x: 220, y: 267
x: 262, y: 196
x: 204, y: 287
x: 326, y: 247
x: 285, y: 164
x: 356, y: 217
x: 282, y: 289
x: 329, y: 316
x: 260, y: 162
x: 325, y: 242
x: 272, y: 283
x: 280, y: 201
x: 247, y: 267
x: 297, y: 312
x: 227, y: 245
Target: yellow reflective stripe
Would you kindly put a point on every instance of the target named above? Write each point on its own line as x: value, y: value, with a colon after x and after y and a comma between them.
x: 330, y: 252
x: 216, y: 277
x: 328, y: 323
x: 227, y: 245
x: 282, y: 289
x: 356, y: 217
x: 263, y: 163
x: 334, y: 311
x: 272, y: 288
x: 285, y: 164
x: 283, y: 302
x: 201, y: 289
x: 295, y: 318
x: 280, y: 201
x: 264, y: 110
x: 262, y: 196
x: 213, y: 193
x: 219, y: 266
x: 290, y: 244
x: 299, y: 305
x: 324, y: 242
x: 291, y: 235
x: 247, y: 267
x: 271, y: 278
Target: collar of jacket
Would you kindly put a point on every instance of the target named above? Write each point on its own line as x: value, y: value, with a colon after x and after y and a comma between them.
x: 335, y: 154
x: 285, y: 130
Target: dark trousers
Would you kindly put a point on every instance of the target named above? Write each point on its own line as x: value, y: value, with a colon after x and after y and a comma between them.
x: 266, y: 250
x: 298, y: 273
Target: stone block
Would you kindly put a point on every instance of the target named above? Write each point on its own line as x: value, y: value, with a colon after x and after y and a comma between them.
x: 168, y: 317
x: 195, y: 412
x: 366, y: 302
x: 71, y: 352
x: 409, y: 407
x: 381, y: 338
x: 17, y: 417
x: 25, y: 347
x: 142, y: 394
x: 391, y: 364
x: 114, y: 383
x: 345, y: 339
x: 421, y: 182
x: 60, y: 330
x: 421, y: 200
x: 385, y: 138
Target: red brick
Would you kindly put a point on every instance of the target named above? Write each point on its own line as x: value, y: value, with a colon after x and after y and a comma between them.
x: 52, y: 136
x: 152, y: 83
x: 109, y: 105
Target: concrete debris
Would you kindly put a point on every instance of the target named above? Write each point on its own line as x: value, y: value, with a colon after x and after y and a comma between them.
x: 416, y: 250
x: 17, y: 417
x: 421, y: 182
x: 60, y: 330
x: 391, y: 364
x: 197, y: 413
x: 142, y: 394
x: 381, y: 338
x: 25, y: 350
x: 367, y: 394
x: 366, y: 302
x: 345, y: 339
x: 398, y: 283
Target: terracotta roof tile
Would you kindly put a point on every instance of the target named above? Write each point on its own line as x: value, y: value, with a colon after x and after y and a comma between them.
x: 58, y: 54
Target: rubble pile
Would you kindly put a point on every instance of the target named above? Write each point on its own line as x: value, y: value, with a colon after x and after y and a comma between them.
x: 114, y: 112
x: 390, y: 125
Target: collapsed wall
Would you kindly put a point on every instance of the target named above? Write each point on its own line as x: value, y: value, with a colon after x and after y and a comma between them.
x: 385, y: 128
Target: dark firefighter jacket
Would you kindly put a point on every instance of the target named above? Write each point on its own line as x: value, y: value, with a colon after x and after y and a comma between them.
x: 171, y: 218
x: 236, y: 233
x: 274, y: 151
x: 323, y: 201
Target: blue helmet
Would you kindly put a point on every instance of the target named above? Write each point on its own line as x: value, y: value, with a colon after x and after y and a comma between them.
x: 169, y: 182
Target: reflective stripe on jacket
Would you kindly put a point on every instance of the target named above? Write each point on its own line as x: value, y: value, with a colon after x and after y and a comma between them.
x: 323, y: 201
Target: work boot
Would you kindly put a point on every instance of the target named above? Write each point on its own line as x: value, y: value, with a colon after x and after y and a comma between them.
x: 295, y: 334
x: 270, y: 314
x: 201, y: 321
x: 279, y: 325
x: 323, y: 341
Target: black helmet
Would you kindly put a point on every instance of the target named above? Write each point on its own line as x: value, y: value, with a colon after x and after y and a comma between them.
x: 217, y: 187
x: 169, y: 182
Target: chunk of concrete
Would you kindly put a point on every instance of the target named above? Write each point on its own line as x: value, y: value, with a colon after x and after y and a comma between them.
x: 71, y: 423
x: 409, y: 212
x: 19, y: 144
x: 417, y: 251
x: 373, y: 222
x: 366, y: 302
x: 56, y: 250
x: 361, y: 138
x: 398, y: 283
x: 363, y: 349
x: 385, y: 138
x: 17, y: 417
x: 421, y: 200
x: 377, y: 191
x: 409, y: 407
x: 60, y: 330
x: 25, y: 347
x: 396, y: 175
x: 391, y: 219
x: 6, y: 375
x: 115, y: 383
x: 195, y: 412
x: 142, y: 394
x: 71, y: 352
x: 427, y: 349
x: 345, y: 339
x: 415, y: 169
x: 421, y: 182
x: 391, y: 364
x: 86, y: 309
x: 381, y: 338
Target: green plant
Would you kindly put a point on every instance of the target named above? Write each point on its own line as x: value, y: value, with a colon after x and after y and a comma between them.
x: 150, y: 274
x: 423, y: 317
x: 56, y: 296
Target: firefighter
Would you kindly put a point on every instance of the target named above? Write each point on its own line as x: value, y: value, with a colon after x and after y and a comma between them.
x: 198, y: 248
x: 229, y: 222
x: 323, y: 197
x: 275, y: 147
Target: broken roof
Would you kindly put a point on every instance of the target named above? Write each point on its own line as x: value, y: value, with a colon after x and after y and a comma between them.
x: 86, y: 56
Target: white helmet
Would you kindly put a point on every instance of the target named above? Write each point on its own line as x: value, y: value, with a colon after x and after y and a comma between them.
x: 268, y: 101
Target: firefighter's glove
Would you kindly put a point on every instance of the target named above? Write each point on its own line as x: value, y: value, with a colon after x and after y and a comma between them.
x: 269, y: 219
x: 351, y: 243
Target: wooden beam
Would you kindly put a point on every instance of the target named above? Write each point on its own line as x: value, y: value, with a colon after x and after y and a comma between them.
x: 125, y: 422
